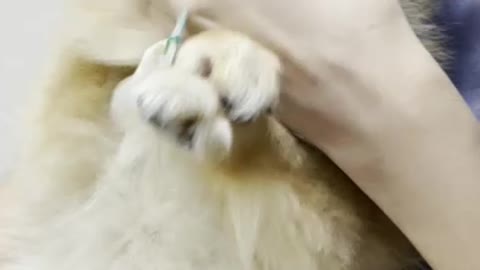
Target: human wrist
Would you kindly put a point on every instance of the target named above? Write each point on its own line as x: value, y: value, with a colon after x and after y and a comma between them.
x: 376, y: 80
x: 428, y: 116
x: 396, y: 87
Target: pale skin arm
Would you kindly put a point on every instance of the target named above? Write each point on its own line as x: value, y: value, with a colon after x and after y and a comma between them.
x: 417, y: 155
x: 378, y: 104
x: 428, y: 177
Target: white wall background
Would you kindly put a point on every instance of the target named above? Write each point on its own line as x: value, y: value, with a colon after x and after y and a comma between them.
x: 26, y: 27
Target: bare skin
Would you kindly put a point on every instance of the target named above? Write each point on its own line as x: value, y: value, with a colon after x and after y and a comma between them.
x: 382, y: 109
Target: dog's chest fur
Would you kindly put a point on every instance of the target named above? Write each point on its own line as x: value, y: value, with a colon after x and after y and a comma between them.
x: 154, y: 210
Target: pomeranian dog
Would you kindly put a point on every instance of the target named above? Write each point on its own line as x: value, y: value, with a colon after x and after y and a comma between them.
x: 132, y: 163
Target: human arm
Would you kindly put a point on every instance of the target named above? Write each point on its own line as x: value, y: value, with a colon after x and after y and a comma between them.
x: 414, y: 149
x: 383, y: 110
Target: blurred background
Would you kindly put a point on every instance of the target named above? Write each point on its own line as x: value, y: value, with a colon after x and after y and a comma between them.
x: 26, y: 27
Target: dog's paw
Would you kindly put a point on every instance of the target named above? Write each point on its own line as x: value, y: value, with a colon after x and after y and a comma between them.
x: 177, y: 102
x: 219, y: 77
x: 245, y: 75
x: 180, y: 104
x: 186, y: 107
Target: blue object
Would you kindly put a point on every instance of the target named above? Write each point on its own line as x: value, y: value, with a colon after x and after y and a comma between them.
x: 460, y: 20
x: 175, y: 38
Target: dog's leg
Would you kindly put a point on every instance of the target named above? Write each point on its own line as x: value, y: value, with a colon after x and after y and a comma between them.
x: 215, y: 100
x: 177, y: 103
x: 220, y: 81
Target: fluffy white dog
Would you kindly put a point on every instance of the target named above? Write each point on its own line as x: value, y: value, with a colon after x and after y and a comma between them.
x: 181, y: 167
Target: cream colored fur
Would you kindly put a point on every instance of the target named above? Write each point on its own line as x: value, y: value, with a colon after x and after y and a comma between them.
x: 179, y: 167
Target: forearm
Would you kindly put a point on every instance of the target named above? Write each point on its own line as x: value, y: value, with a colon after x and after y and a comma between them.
x: 370, y: 96
x: 420, y: 161
x: 426, y: 177
x: 430, y: 189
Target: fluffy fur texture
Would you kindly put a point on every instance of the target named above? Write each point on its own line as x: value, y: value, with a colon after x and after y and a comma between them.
x: 181, y: 167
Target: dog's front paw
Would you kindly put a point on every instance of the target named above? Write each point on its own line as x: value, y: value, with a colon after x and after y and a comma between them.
x: 245, y: 75
x: 183, y: 105
x: 176, y: 102
x: 180, y: 104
